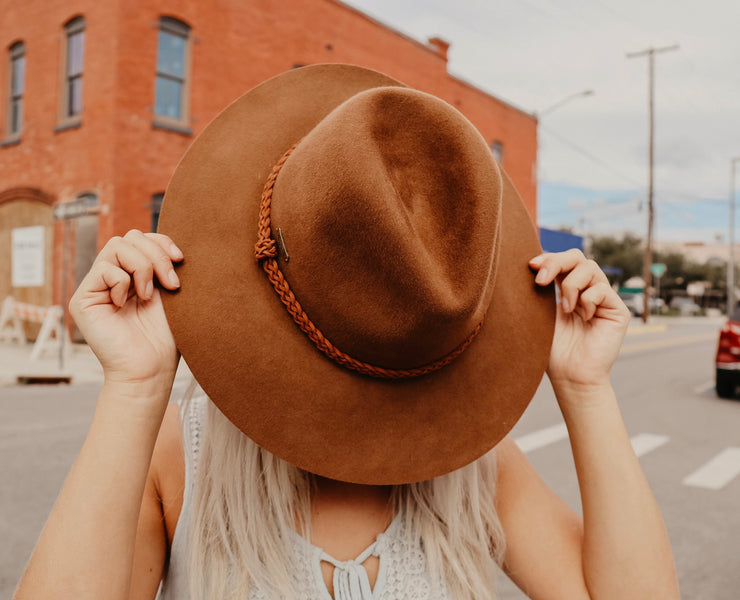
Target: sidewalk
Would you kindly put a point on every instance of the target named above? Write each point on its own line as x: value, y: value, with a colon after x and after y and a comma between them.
x: 80, y: 365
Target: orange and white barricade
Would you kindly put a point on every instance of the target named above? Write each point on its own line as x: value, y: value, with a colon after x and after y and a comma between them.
x: 13, y: 313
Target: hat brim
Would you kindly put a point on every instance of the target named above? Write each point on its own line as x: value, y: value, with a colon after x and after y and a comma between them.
x: 265, y: 375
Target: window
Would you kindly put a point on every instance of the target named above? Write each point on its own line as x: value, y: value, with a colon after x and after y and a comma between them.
x: 74, y: 58
x: 156, y: 208
x: 88, y: 199
x: 17, y: 83
x: 170, y: 95
x: 497, y: 148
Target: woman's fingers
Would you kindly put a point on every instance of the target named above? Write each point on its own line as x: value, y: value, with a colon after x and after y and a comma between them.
x: 103, y: 284
x: 599, y: 295
x: 582, y: 277
x: 161, y: 251
x: 117, y: 281
x: 576, y: 276
x: 133, y: 261
x: 143, y: 255
x: 550, y: 266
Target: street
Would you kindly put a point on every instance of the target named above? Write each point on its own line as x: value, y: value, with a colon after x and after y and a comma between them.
x: 686, y: 437
x: 665, y: 384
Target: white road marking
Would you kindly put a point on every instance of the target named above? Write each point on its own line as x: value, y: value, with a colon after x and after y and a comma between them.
x: 704, y: 387
x: 542, y: 437
x: 647, y: 442
x: 718, y: 472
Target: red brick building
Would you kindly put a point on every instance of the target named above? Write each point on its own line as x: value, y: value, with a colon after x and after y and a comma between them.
x: 99, y: 100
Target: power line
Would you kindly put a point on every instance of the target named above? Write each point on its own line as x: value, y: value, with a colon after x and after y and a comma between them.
x: 590, y: 155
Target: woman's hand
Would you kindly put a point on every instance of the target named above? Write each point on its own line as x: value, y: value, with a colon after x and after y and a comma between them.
x: 591, y: 320
x: 119, y: 311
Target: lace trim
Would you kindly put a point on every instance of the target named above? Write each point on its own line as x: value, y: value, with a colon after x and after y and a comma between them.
x: 403, y: 571
x: 196, y: 415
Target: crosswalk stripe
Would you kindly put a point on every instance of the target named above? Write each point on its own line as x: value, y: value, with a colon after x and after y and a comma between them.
x: 718, y: 472
x: 647, y: 442
x: 704, y: 387
x: 542, y: 437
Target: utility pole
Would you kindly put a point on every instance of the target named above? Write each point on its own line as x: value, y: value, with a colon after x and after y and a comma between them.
x: 648, y: 257
x: 731, y: 261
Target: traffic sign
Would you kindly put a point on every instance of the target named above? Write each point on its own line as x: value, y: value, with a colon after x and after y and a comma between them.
x: 74, y: 209
x: 658, y: 270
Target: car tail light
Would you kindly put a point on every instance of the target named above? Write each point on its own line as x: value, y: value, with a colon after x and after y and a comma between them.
x: 728, y: 349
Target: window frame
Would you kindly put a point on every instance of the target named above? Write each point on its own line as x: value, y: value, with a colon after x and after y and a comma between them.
x: 16, y: 52
x: 179, y: 28
x: 74, y: 26
x: 155, y: 209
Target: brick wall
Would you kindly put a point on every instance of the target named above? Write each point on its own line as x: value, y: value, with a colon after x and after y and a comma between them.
x: 117, y: 154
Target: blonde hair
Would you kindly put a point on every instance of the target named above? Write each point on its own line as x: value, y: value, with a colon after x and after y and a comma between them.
x: 246, y: 500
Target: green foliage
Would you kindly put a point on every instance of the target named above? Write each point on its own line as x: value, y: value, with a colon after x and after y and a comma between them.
x: 627, y: 254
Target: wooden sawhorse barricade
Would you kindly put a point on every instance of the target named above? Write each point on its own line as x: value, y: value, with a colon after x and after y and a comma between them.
x: 12, y: 314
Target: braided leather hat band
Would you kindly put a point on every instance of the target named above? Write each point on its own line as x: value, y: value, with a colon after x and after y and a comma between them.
x: 266, y: 253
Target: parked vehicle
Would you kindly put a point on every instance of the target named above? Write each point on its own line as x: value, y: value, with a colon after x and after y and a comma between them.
x: 727, y: 360
x: 634, y: 301
x: 684, y: 305
x: 657, y: 305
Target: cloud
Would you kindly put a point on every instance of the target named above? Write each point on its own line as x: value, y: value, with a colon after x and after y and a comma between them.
x: 534, y: 53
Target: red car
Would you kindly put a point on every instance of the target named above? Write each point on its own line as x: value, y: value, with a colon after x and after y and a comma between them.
x: 728, y: 357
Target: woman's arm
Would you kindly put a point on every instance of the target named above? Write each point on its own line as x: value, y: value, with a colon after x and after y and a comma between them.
x: 86, y: 549
x: 621, y: 549
x: 160, y: 508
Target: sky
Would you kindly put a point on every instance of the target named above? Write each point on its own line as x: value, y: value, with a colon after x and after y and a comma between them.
x: 593, y: 150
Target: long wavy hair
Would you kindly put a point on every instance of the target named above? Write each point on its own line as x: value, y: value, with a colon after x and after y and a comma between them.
x: 246, y: 501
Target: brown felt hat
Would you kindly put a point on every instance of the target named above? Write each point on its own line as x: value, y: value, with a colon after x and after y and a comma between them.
x: 355, y: 291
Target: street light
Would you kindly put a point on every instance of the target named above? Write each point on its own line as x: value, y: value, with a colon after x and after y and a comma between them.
x: 731, y: 262
x: 538, y: 115
x: 565, y: 100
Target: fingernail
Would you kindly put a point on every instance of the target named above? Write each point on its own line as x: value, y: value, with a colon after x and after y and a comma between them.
x: 149, y: 290
x: 566, y: 304
x: 537, y: 260
x: 175, y: 252
x: 174, y: 280
x: 541, y: 276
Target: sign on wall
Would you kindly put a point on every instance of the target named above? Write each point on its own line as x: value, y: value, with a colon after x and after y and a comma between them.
x: 27, y: 256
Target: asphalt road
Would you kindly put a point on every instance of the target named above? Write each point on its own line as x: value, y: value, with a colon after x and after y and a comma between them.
x: 665, y: 384
x: 664, y: 380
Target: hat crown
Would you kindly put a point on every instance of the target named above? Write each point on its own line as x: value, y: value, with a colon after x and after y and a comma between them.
x: 257, y: 364
x: 390, y: 211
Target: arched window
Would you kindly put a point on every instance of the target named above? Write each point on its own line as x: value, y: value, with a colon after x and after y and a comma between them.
x: 497, y: 147
x: 17, y: 54
x: 73, y: 67
x: 173, y: 59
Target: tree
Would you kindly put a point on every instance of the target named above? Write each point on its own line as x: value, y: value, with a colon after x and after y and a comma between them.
x: 625, y: 254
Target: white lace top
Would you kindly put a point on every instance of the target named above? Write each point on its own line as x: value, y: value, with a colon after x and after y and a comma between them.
x: 402, y: 574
